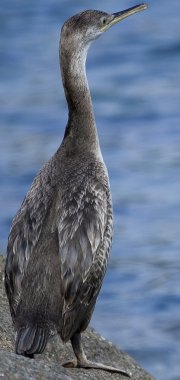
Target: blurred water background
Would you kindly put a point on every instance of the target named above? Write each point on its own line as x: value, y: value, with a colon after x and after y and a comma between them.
x: 134, y: 75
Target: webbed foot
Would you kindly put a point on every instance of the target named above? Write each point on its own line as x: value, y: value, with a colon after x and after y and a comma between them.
x: 82, y: 362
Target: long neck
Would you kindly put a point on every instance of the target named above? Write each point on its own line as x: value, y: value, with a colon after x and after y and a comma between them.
x: 81, y: 126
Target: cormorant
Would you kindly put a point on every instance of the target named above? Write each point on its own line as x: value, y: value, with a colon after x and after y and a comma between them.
x: 60, y: 239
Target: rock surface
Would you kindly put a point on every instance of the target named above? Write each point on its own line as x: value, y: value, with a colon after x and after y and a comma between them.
x: 48, y: 365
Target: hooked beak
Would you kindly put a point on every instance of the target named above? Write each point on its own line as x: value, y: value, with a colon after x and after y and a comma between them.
x: 127, y: 12
x: 119, y: 16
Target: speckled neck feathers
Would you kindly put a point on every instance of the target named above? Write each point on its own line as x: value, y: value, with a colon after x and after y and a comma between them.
x: 81, y: 126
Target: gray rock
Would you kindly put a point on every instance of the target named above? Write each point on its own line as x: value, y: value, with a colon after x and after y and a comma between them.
x: 48, y: 365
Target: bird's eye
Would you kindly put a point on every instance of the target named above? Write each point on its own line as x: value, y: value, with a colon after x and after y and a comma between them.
x: 103, y: 20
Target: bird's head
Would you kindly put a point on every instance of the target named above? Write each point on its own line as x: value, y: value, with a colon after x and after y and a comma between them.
x: 90, y: 24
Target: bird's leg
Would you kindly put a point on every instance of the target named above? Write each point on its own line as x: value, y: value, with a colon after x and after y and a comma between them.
x: 83, y: 362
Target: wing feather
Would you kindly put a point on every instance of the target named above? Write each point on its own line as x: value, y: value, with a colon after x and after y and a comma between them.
x: 85, y: 232
x: 25, y: 232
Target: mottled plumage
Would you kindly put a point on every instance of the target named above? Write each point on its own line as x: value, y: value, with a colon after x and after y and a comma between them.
x: 72, y: 208
x: 59, y: 242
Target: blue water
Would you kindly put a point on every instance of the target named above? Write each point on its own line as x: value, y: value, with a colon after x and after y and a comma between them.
x: 134, y: 75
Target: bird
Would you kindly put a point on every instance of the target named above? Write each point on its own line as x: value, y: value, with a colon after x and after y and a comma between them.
x: 60, y: 239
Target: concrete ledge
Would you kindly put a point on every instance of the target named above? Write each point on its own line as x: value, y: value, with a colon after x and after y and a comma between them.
x: 48, y: 365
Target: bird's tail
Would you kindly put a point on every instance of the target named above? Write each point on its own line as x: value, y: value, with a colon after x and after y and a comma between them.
x: 31, y: 340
